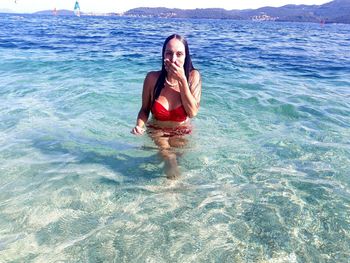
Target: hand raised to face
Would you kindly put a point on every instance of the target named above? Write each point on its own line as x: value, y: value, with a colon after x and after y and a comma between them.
x: 174, y: 69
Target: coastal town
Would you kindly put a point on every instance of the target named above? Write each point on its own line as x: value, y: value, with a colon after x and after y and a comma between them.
x: 336, y: 11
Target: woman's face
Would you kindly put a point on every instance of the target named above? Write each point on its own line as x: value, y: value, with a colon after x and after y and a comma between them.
x: 175, y: 52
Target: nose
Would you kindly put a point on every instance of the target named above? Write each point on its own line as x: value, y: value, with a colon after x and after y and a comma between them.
x: 173, y: 57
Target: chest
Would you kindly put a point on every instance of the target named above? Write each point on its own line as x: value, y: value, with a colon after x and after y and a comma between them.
x: 170, y: 98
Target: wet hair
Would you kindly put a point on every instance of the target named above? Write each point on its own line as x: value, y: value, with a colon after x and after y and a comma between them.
x: 188, y: 66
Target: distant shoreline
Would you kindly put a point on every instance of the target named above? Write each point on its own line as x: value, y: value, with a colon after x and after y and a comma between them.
x: 337, y: 11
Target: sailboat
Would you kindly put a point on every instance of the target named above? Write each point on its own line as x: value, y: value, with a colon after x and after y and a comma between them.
x: 77, y: 8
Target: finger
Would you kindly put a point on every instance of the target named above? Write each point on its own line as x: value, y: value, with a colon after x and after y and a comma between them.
x: 169, y: 63
x: 135, y: 131
x: 172, y: 67
x: 140, y: 130
x: 168, y: 66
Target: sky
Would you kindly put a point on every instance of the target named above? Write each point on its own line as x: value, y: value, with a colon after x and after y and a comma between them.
x: 118, y: 6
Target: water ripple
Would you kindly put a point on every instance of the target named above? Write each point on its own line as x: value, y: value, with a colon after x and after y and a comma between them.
x: 264, y: 175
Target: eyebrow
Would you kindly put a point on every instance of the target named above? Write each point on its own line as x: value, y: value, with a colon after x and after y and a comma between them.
x: 169, y: 50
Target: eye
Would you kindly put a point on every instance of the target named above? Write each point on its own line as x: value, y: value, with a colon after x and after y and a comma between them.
x: 179, y: 54
x: 168, y: 53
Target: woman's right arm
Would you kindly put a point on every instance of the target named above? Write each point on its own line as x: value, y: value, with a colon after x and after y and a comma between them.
x: 142, y: 117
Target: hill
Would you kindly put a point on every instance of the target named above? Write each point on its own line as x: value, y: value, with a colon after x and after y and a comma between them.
x: 337, y: 11
x: 61, y: 12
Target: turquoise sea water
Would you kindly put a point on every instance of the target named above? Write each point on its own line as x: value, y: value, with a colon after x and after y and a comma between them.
x: 265, y: 177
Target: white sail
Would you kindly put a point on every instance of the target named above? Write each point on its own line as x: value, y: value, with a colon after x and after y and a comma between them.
x: 77, y: 8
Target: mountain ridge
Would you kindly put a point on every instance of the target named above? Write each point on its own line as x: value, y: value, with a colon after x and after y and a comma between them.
x: 336, y: 11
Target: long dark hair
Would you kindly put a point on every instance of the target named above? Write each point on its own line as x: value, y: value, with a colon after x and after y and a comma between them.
x: 188, y: 66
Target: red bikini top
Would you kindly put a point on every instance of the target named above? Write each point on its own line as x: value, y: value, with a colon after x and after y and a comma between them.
x: 162, y: 114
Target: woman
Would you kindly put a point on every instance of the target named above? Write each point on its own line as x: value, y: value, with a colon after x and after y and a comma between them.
x: 173, y: 96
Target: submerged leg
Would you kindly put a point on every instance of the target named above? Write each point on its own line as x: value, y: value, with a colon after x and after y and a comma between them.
x: 170, y: 163
x: 172, y: 170
x: 177, y: 141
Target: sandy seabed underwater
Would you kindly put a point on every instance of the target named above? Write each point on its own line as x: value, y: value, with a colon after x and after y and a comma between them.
x: 265, y: 176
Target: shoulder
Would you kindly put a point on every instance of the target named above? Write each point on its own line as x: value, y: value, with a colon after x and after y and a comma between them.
x: 195, y: 76
x: 150, y: 80
x: 152, y: 76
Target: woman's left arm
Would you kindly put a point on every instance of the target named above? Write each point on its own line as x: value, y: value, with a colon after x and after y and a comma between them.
x: 191, y: 93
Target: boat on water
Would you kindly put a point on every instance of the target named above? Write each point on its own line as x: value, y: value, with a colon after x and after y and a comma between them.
x: 77, y: 8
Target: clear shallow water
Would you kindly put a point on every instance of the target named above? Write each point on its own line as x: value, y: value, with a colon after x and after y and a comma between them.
x: 265, y: 177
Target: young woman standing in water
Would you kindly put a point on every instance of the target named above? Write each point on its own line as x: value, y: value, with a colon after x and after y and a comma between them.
x: 173, y: 96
